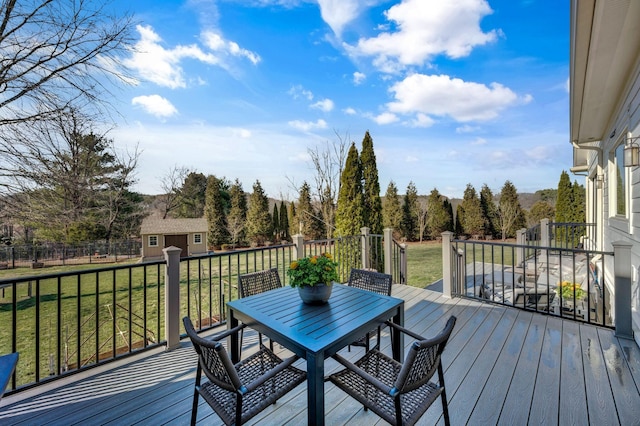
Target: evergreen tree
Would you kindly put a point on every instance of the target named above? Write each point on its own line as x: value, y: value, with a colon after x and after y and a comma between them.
x: 192, y: 196
x: 459, y: 229
x: 473, y: 219
x: 214, y: 213
x: 284, y: 222
x: 275, y: 222
x: 307, y: 215
x: 563, y: 203
x: 438, y: 219
x: 578, y: 203
x: 449, y: 207
x: 511, y: 215
x: 258, y: 223
x: 392, y: 210
x: 489, y: 211
x: 237, y: 214
x: 294, y: 223
x: 540, y: 210
x: 371, y: 187
x: 410, y: 213
x: 350, y: 209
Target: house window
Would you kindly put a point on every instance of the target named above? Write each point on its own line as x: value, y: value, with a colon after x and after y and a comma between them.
x: 153, y: 241
x: 620, y: 182
x: 197, y: 238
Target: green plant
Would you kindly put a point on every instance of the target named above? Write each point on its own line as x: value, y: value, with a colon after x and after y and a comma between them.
x: 567, y: 289
x: 312, y: 270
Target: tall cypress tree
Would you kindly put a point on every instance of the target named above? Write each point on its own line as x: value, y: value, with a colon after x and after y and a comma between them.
x: 307, y: 215
x: 410, y: 213
x: 438, y: 219
x: 578, y: 203
x: 473, y: 223
x: 350, y: 209
x: 275, y: 222
x: 294, y: 223
x: 258, y: 218
x: 215, y: 214
x: 392, y: 210
x: 237, y: 214
x: 564, y: 203
x: 512, y: 216
x: 459, y: 229
x: 192, y: 197
x: 371, y: 187
x: 284, y: 222
x: 489, y: 211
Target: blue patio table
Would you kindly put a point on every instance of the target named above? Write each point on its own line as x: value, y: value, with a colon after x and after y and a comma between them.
x: 7, y: 367
x: 316, y: 332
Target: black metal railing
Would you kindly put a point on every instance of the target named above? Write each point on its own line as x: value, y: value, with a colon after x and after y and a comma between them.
x: 564, y: 282
x: 570, y: 235
x: 399, y: 263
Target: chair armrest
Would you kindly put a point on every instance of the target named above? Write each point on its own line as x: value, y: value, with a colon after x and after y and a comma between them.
x: 227, y: 333
x: 360, y: 372
x: 404, y: 330
x: 269, y: 374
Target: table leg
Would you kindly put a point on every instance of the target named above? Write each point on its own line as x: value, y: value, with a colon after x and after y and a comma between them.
x: 315, y: 389
x: 397, y: 343
x: 234, y: 341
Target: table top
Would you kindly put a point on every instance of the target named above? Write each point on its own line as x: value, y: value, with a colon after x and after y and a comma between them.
x: 347, y: 316
x: 7, y: 366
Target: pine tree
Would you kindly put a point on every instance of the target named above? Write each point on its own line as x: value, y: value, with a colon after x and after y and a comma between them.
x: 410, y: 213
x: 237, y: 216
x: 511, y: 215
x: 214, y: 213
x: 563, y: 203
x: 350, y: 209
x: 392, y: 210
x: 449, y: 207
x: 438, y: 219
x: 578, y: 203
x: 540, y: 210
x: 275, y: 222
x: 284, y: 222
x: 473, y: 223
x: 307, y: 215
x: 459, y: 229
x: 258, y: 223
x: 489, y: 211
x: 294, y: 223
x: 371, y: 187
x: 192, y: 196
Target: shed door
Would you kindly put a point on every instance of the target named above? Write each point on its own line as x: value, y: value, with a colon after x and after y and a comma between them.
x: 179, y: 241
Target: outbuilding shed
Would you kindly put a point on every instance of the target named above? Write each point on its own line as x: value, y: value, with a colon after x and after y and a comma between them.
x: 188, y: 234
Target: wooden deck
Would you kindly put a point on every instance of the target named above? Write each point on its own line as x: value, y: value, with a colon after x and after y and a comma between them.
x: 502, y: 366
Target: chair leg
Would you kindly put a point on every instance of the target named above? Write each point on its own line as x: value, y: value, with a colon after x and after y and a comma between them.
x: 443, y: 396
x: 240, y: 350
x: 194, y: 407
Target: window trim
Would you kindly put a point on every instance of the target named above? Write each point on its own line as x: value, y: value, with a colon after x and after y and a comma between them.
x: 156, y: 238
x: 199, y: 235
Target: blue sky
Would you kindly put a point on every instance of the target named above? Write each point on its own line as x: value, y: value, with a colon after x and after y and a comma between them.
x: 452, y: 92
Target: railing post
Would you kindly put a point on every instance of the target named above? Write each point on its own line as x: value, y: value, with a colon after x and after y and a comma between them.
x: 403, y: 263
x: 447, y: 279
x: 622, y: 285
x: 387, y: 237
x: 172, y: 296
x: 298, y: 240
x: 521, y: 240
x: 366, y: 247
x: 545, y: 237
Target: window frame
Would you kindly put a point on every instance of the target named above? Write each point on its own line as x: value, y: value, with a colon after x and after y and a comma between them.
x: 150, y: 237
x: 197, y: 236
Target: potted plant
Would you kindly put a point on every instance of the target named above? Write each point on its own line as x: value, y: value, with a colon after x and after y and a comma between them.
x: 314, y: 277
x: 568, y: 290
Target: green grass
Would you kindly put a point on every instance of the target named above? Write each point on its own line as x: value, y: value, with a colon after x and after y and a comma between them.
x: 424, y: 263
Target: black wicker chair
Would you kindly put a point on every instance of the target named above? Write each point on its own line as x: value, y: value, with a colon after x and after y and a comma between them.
x: 372, y: 281
x: 400, y: 393
x: 239, y: 392
x: 256, y: 283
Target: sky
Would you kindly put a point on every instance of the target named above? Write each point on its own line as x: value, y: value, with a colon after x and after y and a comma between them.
x: 452, y: 92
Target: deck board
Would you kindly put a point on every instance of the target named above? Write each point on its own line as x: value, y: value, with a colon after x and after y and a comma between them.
x: 502, y: 366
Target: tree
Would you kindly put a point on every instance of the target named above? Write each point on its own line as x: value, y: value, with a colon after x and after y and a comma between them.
x: 473, y: 220
x: 438, y: 218
x: 215, y: 214
x: 172, y: 184
x: 409, y: 224
x: 237, y: 216
x: 284, y: 222
x: 258, y: 223
x: 192, y: 196
x: 327, y: 164
x: 294, y: 227
x: 391, y: 210
x: 510, y: 212
x: 275, y: 222
x: 66, y: 181
x: 578, y: 203
x: 306, y: 215
x: 459, y: 230
x: 350, y: 210
x: 371, y: 187
x: 540, y: 210
x: 58, y: 55
x: 489, y: 211
x: 564, y: 202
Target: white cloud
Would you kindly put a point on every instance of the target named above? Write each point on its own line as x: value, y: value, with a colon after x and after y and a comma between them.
x: 155, y: 105
x: 358, y: 78
x: 467, y: 129
x: 423, y: 29
x: 338, y: 13
x: 385, y: 118
x: 349, y: 111
x: 422, y: 120
x: 297, y: 92
x: 479, y: 141
x: 306, y: 126
x: 325, y: 105
x: 161, y: 66
x: 441, y: 95
x: 242, y: 133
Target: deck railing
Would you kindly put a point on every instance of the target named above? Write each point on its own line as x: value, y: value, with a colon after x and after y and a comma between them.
x: 571, y: 283
x: 68, y: 322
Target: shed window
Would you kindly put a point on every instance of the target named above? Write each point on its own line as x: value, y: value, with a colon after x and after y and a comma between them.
x: 153, y: 241
x: 197, y: 238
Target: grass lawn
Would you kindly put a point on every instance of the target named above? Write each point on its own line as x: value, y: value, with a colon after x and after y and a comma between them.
x: 424, y: 263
